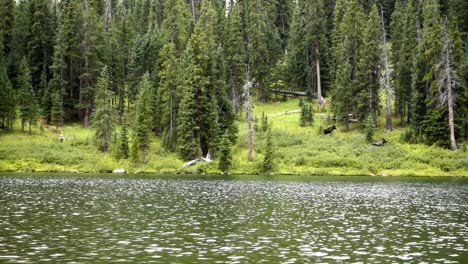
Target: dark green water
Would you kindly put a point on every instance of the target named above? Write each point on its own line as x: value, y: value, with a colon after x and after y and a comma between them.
x: 233, y: 220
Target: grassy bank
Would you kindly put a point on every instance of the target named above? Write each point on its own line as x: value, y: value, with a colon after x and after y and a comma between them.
x: 298, y: 150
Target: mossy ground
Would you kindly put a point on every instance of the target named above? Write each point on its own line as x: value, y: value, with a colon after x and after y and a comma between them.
x: 298, y: 150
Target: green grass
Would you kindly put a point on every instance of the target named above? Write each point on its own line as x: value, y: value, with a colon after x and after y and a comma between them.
x: 298, y: 150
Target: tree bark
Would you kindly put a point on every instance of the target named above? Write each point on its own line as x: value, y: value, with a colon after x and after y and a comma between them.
x: 193, y: 12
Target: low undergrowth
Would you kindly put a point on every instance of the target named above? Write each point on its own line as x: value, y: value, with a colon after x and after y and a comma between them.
x: 297, y: 150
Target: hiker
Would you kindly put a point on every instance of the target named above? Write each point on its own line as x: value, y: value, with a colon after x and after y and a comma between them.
x: 61, y: 136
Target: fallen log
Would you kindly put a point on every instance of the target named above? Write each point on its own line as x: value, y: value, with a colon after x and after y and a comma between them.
x: 295, y: 93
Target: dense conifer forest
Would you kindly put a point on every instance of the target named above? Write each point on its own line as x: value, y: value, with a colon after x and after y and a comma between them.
x: 188, y: 71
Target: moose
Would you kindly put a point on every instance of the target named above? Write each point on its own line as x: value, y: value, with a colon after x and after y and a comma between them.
x: 329, y: 130
x: 379, y: 143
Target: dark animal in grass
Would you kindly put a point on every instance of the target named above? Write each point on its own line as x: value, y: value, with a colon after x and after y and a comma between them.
x: 379, y: 143
x: 329, y: 130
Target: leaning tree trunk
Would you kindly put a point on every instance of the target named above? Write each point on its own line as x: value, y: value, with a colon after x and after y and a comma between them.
x: 387, y: 78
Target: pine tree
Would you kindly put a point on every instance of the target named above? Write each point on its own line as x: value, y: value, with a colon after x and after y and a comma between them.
x: 103, y: 119
x: 404, y: 43
x: 7, y: 8
x: 225, y: 156
x: 40, y: 44
x: 143, y: 120
x: 57, y: 110
x: 342, y: 97
x: 28, y: 106
x: 188, y: 141
x: 123, y: 148
x: 169, y: 94
x: 370, y: 128
x: 268, y: 159
x: 303, y: 116
x: 7, y: 102
x: 369, y: 65
x: 198, y: 113
x: 91, y: 52
x: 176, y: 24
x: 348, y: 41
x: 260, y: 57
x: 308, y: 46
x: 235, y: 56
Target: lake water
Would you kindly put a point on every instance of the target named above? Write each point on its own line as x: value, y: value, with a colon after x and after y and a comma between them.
x: 159, y: 219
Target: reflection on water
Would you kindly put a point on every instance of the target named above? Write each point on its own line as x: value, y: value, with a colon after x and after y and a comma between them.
x: 74, y: 220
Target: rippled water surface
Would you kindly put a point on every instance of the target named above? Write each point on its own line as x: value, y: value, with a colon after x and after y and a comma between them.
x: 162, y: 220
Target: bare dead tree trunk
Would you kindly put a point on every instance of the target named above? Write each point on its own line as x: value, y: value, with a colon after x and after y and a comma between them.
x: 387, y: 77
x: 108, y: 18
x: 319, y: 82
x: 249, y: 109
x: 193, y: 12
x: 447, y: 78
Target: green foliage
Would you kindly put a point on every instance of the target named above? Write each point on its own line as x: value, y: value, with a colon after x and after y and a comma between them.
x: 7, y: 100
x: 269, y: 153
x: 57, y: 110
x: 370, y: 129
x: 307, y: 116
x: 143, y: 121
x: 123, y: 147
x: 224, y: 152
x: 27, y: 102
x: 103, y: 119
x: 368, y: 68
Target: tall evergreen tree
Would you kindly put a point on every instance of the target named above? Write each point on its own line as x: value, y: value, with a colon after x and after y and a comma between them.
x: 369, y: 66
x: 200, y: 88
x: 169, y: 94
x: 235, y: 56
x: 259, y: 53
x: 7, y: 100
x: 143, y: 120
x: 404, y: 43
x: 225, y: 155
x: 308, y: 48
x: 348, y: 42
x: 91, y: 52
x: 7, y: 11
x: 27, y: 101
x: 103, y: 119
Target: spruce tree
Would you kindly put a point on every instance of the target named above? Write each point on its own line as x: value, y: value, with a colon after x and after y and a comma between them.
x: 143, y: 119
x: 7, y: 101
x: 40, y: 44
x: 308, y: 45
x: 123, y: 148
x: 235, y: 57
x: 198, y: 105
x: 347, y: 44
x: 169, y: 93
x: 57, y: 110
x: 7, y: 12
x: 27, y: 101
x: 225, y: 156
x: 268, y: 159
x: 370, y: 127
x: 103, y: 119
x: 368, y: 70
x: 404, y: 43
